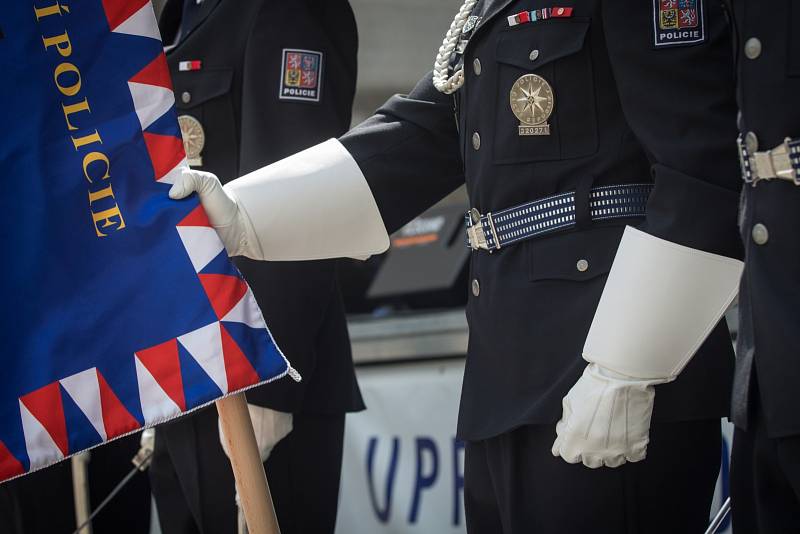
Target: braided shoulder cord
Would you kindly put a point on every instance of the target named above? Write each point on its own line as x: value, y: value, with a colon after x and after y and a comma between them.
x: 441, y: 79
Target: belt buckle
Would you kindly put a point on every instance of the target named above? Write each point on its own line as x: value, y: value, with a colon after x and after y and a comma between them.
x: 770, y: 164
x: 477, y: 235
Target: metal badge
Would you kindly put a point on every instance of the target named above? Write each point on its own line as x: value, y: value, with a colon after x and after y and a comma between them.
x: 194, y: 139
x: 472, y: 21
x: 532, y: 102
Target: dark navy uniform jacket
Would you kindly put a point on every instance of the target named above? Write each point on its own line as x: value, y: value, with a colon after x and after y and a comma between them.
x: 768, y: 56
x: 236, y: 96
x: 626, y: 111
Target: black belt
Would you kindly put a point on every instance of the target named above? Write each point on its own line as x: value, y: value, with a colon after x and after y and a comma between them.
x: 493, y: 231
x: 780, y: 163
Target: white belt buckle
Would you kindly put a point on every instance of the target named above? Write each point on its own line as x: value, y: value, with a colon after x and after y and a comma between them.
x: 475, y: 233
x: 774, y: 164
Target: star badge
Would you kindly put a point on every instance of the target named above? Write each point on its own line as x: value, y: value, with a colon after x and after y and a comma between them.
x: 532, y: 102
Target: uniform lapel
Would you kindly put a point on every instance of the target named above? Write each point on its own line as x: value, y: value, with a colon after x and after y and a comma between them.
x: 490, y: 10
x: 206, y: 7
x: 169, y: 21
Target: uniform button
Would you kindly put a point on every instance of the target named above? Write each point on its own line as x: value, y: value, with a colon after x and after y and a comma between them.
x: 186, y: 97
x: 476, y: 66
x: 533, y: 55
x: 751, y: 142
x: 760, y: 234
x: 582, y: 266
x: 752, y: 48
x: 476, y: 287
x: 476, y: 140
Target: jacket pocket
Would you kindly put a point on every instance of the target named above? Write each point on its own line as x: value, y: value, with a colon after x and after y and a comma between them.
x: 555, y: 51
x: 575, y: 256
x: 206, y: 96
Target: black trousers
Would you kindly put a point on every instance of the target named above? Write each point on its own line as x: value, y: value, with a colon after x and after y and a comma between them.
x: 513, y: 485
x: 193, y: 483
x: 765, y: 481
x: 43, y: 502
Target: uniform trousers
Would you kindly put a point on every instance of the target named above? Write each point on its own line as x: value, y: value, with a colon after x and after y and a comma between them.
x: 765, y: 480
x: 514, y: 485
x: 43, y: 502
x: 193, y: 483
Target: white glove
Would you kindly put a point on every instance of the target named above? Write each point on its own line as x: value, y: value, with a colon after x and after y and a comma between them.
x: 270, y: 426
x: 660, y: 302
x: 606, y: 419
x: 222, y: 210
x: 313, y: 205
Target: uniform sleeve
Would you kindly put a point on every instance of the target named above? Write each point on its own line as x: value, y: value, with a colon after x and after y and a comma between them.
x: 408, y: 153
x: 679, y: 101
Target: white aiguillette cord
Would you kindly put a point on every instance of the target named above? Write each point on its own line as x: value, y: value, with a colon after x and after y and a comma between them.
x: 442, y: 81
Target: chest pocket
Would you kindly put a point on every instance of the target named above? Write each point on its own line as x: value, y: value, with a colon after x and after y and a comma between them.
x: 206, y: 96
x: 554, y: 50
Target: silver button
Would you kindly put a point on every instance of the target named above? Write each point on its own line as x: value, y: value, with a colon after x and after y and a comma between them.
x: 751, y: 142
x: 476, y: 66
x: 476, y: 287
x: 760, y: 234
x: 476, y: 140
x: 533, y: 55
x: 752, y: 48
x: 582, y: 266
x: 186, y: 97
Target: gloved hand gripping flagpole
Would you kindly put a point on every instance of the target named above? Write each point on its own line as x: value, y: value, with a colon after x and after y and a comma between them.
x: 251, y: 481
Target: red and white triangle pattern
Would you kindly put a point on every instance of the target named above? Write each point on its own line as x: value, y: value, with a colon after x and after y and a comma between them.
x: 133, y: 17
x: 246, y: 311
x: 199, y: 238
x: 157, y: 405
x: 159, y: 375
x: 151, y: 91
x: 158, y: 371
x: 44, y: 424
x: 211, y: 346
x: 205, y: 346
x: 84, y: 388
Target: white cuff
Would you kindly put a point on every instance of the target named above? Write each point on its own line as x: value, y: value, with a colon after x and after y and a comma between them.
x: 659, y: 304
x: 315, y: 204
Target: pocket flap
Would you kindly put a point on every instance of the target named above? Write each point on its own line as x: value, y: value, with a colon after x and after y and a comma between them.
x: 575, y: 255
x: 551, y: 40
x: 202, y: 86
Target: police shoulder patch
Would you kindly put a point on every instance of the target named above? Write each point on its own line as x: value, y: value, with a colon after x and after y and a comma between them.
x: 678, y: 23
x: 301, y: 75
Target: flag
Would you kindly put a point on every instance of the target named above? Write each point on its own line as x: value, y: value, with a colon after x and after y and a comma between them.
x: 120, y: 308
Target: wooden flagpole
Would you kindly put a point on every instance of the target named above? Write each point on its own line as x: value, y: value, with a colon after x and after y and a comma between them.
x: 251, y: 481
x: 80, y: 490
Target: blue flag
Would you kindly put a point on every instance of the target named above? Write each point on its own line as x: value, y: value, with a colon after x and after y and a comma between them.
x: 120, y: 307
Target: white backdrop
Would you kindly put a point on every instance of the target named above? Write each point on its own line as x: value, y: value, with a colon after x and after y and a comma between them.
x: 403, y: 470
